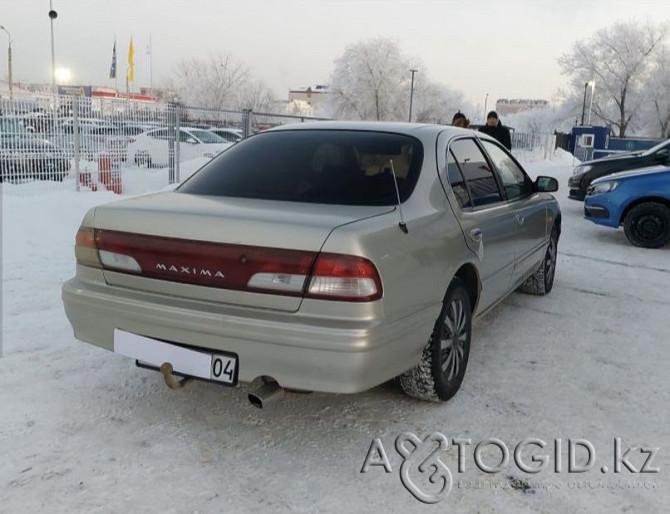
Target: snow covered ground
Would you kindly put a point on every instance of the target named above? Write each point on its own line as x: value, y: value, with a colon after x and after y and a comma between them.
x: 84, y: 430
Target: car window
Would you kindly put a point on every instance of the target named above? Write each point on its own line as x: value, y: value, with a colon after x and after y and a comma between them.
x: 339, y: 167
x: 228, y: 136
x: 457, y: 182
x: 477, y: 172
x: 515, y: 181
x: 207, y: 137
x: 185, y: 137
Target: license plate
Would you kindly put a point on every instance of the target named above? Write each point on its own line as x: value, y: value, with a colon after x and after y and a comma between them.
x: 224, y: 369
x: 220, y: 367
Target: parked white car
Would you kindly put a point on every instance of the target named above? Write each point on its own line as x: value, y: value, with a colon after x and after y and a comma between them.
x: 151, y: 148
x: 232, y: 135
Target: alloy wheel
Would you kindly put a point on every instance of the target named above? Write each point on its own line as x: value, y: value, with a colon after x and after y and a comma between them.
x: 453, y: 340
x: 550, y: 261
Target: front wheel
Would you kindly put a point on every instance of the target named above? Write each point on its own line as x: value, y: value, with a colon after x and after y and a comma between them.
x: 648, y: 225
x: 440, y: 372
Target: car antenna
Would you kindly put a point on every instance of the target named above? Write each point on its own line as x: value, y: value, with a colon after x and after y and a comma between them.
x: 402, y: 224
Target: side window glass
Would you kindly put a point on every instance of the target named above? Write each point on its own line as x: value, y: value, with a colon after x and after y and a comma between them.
x: 457, y: 182
x: 514, y: 180
x: 184, y: 137
x: 477, y: 172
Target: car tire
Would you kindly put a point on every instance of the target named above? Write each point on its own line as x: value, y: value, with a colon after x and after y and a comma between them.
x: 440, y: 372
x: 648, y: 225
x: 542, y: 281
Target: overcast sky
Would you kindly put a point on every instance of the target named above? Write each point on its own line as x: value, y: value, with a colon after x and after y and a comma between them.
x: 507, y: 48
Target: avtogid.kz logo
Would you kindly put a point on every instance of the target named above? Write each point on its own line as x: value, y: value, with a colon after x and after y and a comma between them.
x: 429, y: 479
x: 417, y: 455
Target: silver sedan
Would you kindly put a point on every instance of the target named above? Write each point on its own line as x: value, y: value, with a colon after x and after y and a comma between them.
x: 327, y: 256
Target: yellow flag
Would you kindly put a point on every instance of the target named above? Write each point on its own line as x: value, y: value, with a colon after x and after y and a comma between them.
x: 131, y: 62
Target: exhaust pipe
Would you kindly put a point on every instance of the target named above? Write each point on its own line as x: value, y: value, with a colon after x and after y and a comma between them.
x: 265, y: 394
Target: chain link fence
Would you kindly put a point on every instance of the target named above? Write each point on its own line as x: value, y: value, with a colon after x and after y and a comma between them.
x: 65, y: 143
x: 61, y: 143
x: 533, y: 146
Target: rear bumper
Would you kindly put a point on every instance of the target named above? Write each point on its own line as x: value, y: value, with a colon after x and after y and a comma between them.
x: 297, y: 351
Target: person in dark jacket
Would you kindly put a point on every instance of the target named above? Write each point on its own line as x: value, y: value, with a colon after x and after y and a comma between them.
x: 496, y: 129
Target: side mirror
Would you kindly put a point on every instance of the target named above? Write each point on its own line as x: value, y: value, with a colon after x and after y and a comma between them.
x: 546, y: 184
x: 192, y: 141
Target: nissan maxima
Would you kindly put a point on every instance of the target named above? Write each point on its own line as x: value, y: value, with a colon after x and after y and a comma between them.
x: 329, y: 257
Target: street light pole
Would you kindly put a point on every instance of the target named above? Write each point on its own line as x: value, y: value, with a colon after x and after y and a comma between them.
x: 9, y: 63
x: 486, y: 102
x: 52, y: 16
x: 411, y: 95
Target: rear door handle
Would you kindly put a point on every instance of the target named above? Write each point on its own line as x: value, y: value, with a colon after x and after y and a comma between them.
x: 520, y: 218
x: 476, y: 234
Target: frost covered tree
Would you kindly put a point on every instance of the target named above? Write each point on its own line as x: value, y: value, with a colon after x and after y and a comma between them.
x: 372, y: 81
x: 256, y: 95
x: 617, y: 58
x: 218, y: 82
x: 369, y: 82
x: 557, y: 117
x: 437, y: 103
x: 659, y: 93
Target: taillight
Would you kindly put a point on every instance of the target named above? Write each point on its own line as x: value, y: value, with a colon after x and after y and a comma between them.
x: 345, y: 278
x: 227, y: 266
x: 85, y: 249
x: 333, y: 277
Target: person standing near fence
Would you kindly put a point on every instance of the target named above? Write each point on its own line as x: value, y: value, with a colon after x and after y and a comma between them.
x: 496, y: 129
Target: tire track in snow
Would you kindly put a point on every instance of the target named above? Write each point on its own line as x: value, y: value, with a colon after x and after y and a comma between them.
x: 616, y: 263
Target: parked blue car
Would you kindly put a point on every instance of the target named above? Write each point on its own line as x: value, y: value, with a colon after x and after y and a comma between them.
x: 639, y: 200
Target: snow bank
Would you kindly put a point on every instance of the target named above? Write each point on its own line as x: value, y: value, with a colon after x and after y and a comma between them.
x: 138, y: 180
x: 557, y: 156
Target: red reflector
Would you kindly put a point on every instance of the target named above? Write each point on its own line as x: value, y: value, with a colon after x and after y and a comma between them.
x: 204, y: 263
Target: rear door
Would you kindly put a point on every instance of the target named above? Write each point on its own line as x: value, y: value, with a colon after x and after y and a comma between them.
x: 529, y: 209
x: 486, y: 218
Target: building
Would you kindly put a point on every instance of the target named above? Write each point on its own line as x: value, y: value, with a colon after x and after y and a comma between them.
x: 307, y: 100
x: 505, y: 106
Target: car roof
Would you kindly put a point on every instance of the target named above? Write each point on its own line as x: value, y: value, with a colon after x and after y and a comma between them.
x: 375, y: 126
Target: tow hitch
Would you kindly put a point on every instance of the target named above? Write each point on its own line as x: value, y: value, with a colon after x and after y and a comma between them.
x: 170, y: 381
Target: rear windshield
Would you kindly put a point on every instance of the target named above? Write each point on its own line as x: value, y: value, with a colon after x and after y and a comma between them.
x: 314, y: 166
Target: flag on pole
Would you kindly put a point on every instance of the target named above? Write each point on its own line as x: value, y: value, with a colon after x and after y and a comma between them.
x: 112, y: 69
x: 130, y: 77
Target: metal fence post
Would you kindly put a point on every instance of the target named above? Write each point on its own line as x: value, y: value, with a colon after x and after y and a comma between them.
x: 77, y: 141
x: 177, y: 118
x: 246, y: 122
x: 172, y: 133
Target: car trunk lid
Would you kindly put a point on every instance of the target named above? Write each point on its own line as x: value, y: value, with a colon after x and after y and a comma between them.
x: 209, y: 248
